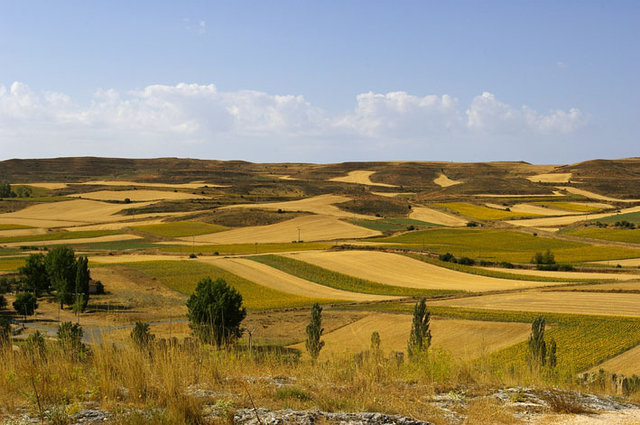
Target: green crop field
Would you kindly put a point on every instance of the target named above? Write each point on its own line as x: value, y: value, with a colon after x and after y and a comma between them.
x: 345, y: 282
x: 183, y: 276
x: 11, y: 264
x: 392, y: 224
x: 180, y: 229
x: 608, y: 233
x: 52, y: 236
x: 505, y: 245
x: 630, y: 217
x: 13, y: 227
x: 481, y: 212
x: 583, y: 341
x: 261, y: 248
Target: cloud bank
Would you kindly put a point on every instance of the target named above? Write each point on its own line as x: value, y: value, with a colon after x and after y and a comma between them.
x: 201, y: 121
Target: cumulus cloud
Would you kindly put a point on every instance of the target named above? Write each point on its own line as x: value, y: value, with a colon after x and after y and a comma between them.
x: 200, y: 120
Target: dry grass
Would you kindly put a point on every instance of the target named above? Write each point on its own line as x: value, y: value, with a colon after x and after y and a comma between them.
x: 550, y: 178
x: 444, y: 181
x: 399, y: 270
x: 281, y: 281
x: 51, y: 186
x: 192, y: 185
x: 322, y: 204
x: 135, y: 195
x: 606, y: 304
x: 480, y: 337
x: 436, y: 217
x: 592, y: 195
x: 360, y: 177
x: 312, y: 228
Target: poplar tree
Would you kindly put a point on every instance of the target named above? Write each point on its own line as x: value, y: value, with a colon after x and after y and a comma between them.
x: 420, y: 337
x: 314, y: 332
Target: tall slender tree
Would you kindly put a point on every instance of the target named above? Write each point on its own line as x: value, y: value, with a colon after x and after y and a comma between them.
x: 420, y: 337
x: 81, y: 294
x: 314, y: 332
x: 537, y: 356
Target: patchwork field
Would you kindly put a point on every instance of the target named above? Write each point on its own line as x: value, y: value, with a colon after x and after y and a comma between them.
x: 398, y: 270
x: 360, y: 177
x: 278, y: 280
x: 480, y: 337
x: 135, y: 195
x: 436, y: 217
x: 308, y: 228
x: 604, y: 304
x: 567, y: 220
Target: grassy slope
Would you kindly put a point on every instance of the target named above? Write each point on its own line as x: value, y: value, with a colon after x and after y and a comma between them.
x: 608, y: 233
x: 337, y: 280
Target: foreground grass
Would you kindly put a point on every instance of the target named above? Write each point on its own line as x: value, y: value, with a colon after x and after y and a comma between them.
x: 481, y: 212
x: 183, y: 276
x: 345, y: 282
x: 53, y: 236
x: 180, y: 229
x: 505, y: 245
x: 261, y: 248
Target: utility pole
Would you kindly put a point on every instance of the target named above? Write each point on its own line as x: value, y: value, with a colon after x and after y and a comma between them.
x: 298, y: 235
x: 250, y: 332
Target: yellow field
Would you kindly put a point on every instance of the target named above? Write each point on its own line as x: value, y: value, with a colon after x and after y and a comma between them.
x: 135, y: 195
x: 22, y: 232
x: 392, y: 194
x: 573, y: 275
x: 133, y: 258
x: 481, y: 212
x: 480, y: 337
x: 276, y: 279
x: 51, y: 186
x: 117, y: 225
x: 398, y: 270
x: 312, y: 228
x: 627, y: 363
x: 98, y: 239
x: 444, y: 181
x: 613, y: 286
x: 436, y: 217
x: 180, y: 228
x: 592, y: 195
x: 550, y: 178
x: 493, y: 195
x: 68, y: 213
x: 630, y: 262
x: 536, y: 209
x: 606, y: 304
x: 576, y: 206
x: 322, y: 205
x: 360, y: 177
x: 566, y: 220
x: 192, y: 185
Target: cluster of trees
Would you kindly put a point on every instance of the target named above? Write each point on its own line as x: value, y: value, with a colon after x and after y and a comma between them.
x: 540, y: 353
x: 6, y: 191
x: 547, y: 261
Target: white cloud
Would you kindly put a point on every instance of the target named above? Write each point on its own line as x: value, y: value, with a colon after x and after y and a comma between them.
x: 200, y: 120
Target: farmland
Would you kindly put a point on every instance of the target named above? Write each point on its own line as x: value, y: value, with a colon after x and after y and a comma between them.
x: 480, y: 212
x: 178, y: 229
x: 609, y: 234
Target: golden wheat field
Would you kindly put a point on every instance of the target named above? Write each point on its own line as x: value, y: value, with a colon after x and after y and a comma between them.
x: 431, y: 215
x: 399, y: 270
x: 629, y: 262
x: 593, y: 195
x: 574, y: 275
x: 606, y: 304
x: 360, y: 177
x: 310, y: 227
x: 77, y: 241
x: 551, y: 178
x: 480, y: 337
x: 281, y: 281
x: 627, y: 363
x: 444, y: 181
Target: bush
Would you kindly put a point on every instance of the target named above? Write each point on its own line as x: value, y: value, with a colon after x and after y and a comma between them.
x: 99, y: 288
x: 192, y: 255
x: 466, y: 261
x: 545, y: 258
x: 141, y: 335
x: 35, y: 343
x: 448, y: 257
x: 70, y: 338
x: 507, y: 265
x: 472, y: 224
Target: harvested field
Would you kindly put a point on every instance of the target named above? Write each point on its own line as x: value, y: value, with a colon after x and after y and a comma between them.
x: 566, y: 220
x: 480, y: 337
x: 613, y: 287
x: 605, y: 304
x: 133, y: 258
x: 592, y: 195
x: 323, y: 205
x: 392, y: 194
x: 493, y: 195
x: 629, y: 262
x: 115, y: 226
x: 310, y: 228
x: 550, y: 178
x: 537, y: 209
x: 436, y: 217
x: 276, y: 279
x: 50, y: 186
x: 79, y: 241
x: 572, y: 275
x: 192, y: 185
x: 360, y: 177
x: 22, y: 232
x: 576, y: 206
x: 399, y: 270
x: 444, y: 181
x: 135, y: 195
x: 179, y: 229
x: 627, y: 363
x: 67, y: 213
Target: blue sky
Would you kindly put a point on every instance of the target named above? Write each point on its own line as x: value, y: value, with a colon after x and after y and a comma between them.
x: 322, y: 81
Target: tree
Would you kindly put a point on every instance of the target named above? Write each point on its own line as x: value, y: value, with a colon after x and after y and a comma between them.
x: 3, y: 302
x: 537, y: 355
x: 141, y: 335
x: 553, y: 358
x: 5, y: 191
x: 314, y: 332
x: 25, y: 304
x: 60, y: 263
x: 34, y: 275
x: 70, y: 338
x: 420, y: 337
x: 83, y: 277
x: 546, y: 258
x: 215, y: 312
x: 5, y: 332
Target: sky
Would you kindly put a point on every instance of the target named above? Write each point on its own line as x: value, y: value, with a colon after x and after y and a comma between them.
x: 548, y: 82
